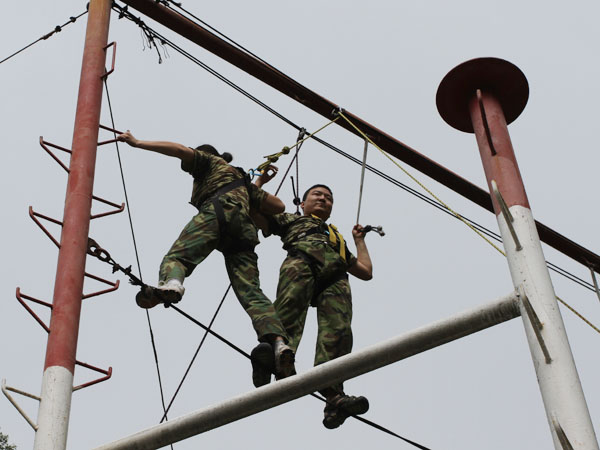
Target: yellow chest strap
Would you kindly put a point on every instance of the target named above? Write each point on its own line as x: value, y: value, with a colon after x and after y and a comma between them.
x: 334, y: 237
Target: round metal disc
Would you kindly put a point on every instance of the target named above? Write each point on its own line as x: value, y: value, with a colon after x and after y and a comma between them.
x: 493, y: 75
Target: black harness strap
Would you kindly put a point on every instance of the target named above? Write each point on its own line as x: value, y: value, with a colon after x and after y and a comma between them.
x: 215, y: 200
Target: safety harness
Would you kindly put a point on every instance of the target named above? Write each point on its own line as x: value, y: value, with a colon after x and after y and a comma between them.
x: 214, y: 199
x: 335, y: 238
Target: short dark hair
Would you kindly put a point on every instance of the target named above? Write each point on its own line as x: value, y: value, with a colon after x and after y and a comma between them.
x: 316, y: 186
x: 228, y: 157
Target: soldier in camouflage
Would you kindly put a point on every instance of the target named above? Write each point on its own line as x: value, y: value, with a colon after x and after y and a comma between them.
x: 314, y: 273
x: 224, y: 197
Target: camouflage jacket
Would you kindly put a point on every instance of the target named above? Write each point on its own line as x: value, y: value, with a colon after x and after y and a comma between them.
x: 296, y: 235
x: 212, y: 173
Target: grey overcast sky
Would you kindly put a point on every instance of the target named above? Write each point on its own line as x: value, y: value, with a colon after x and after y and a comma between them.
x: 382, y: 60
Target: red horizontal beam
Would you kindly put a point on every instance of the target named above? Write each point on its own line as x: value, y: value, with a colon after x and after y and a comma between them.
x: 326, y: 108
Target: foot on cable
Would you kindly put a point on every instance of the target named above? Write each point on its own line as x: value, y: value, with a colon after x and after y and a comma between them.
x: 169, y: 292
x: 263, y: 364
x: 147, y: 297
x: 284, y: 360
x: 340, y: 407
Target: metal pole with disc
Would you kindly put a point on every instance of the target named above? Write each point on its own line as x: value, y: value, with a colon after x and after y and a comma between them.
x: 482, y: 96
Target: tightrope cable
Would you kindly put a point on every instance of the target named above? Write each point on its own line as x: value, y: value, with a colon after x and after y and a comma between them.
x: 212, y: 321
x: 458, y: 216
x: 242, y: 352
x: 153, y: 342
x: 57, y: 29
x: 481, y: 231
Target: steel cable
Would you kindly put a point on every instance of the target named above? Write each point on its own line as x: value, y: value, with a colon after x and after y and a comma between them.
x: 154, y: 351
x: 386, y: 177
x: 57, y: 29
x: 242, y: 352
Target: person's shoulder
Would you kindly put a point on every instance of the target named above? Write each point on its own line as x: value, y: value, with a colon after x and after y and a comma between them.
x: 284, y: 219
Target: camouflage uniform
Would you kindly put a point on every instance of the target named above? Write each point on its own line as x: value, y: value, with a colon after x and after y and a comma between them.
x: 236, y: 241
x: 314, y: 274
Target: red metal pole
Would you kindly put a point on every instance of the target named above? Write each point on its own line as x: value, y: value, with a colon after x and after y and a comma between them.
x: 57, y: 384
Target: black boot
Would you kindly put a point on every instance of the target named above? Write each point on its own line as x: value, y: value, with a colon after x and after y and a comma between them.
x: 263, y: 364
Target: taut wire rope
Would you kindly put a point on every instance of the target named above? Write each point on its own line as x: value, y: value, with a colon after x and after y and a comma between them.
x: 440, y: 206
x: 275, y: 156
x: 242, y: 352
x: 187, y: 371
x: 470, y: 223
x: 301, y: 135
x: 154, y: 351
x: 425, y: 188
x: 458, y: 216
x: 57, y: 29
x: 362, y: 180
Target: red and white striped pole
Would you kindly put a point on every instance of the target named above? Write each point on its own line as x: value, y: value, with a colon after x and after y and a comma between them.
x: 483, y: 96
x: 57, y: 381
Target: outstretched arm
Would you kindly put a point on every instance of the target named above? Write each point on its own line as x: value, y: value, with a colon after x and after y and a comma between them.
x: 173, y: 149
x: 362, y: 268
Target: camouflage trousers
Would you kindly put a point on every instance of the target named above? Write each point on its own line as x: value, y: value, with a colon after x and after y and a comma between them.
x: 297, y: 284
x: 201, y: 236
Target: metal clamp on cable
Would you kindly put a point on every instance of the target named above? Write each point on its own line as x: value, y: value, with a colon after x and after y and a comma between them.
x: 95, y: 250
x: 301, y: 134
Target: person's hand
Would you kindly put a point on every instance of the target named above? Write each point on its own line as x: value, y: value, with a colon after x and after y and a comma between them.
x: 128, y: 138
x: 358, y: 232
x: 268, y: 174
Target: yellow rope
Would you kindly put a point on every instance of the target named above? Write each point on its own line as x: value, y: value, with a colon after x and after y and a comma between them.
x: 458, y: 216
x: 275, y: 156
x: 578, y: 314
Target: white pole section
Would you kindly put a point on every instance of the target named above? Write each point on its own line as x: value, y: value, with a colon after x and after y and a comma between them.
x: 483, y: 96
x: 332, y: 372
x: 564, y: 401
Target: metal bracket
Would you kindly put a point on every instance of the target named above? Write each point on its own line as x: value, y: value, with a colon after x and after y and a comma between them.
x: 20, y: 298
x: 107, y: 375
x: 114, y: 55
x: 595, y: 282
x: 507, y: 215
x: 5, y: 390
x: 536, y: 324
x: 562, y: 436
x: 488, y: 133
x: 110, y: 141
x: 113, y: 286
x: 45, y: 145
